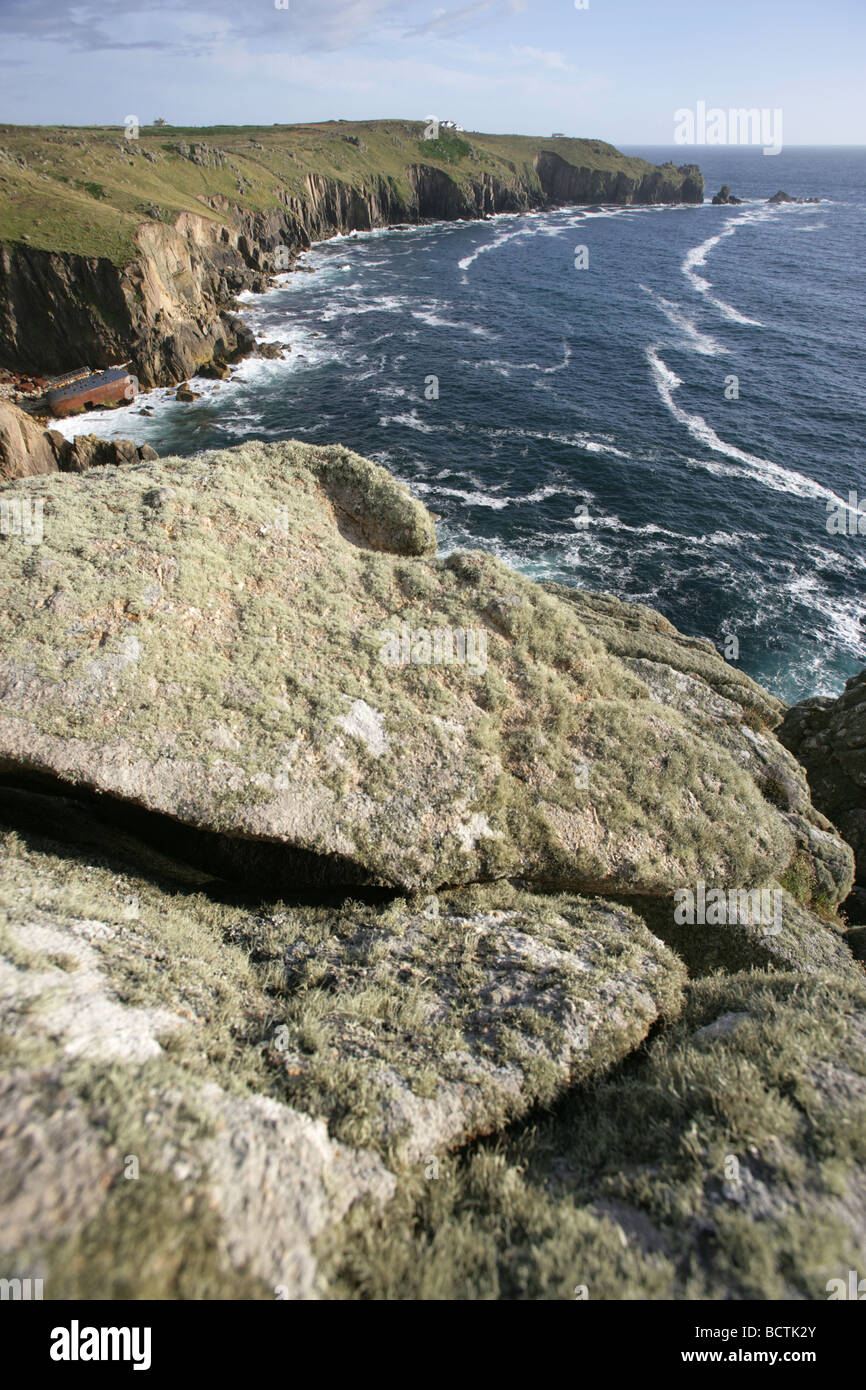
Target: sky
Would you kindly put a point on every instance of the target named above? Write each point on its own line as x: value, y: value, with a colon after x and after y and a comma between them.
x: 617, y: 70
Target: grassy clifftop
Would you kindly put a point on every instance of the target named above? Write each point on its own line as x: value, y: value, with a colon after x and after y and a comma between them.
x: 86, y: 190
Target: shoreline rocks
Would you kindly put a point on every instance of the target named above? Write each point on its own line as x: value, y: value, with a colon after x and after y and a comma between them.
x: 783, y: 197
x: 28, y: 450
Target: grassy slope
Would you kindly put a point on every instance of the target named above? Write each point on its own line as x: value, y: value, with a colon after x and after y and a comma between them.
x: 45, y: 172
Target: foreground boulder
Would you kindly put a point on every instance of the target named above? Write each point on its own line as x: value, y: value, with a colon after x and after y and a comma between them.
x: 431, y: 1027
x: 724, y: 1162
x: 724, y: 708
x: 261, y: 646
x: 140, y: 1154
x: 252, y: 665
x: 193, y: 1096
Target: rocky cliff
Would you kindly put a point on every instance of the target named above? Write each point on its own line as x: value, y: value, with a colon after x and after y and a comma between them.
x: 338, y: 881
x: 563, y: 182
x: 154, y: 281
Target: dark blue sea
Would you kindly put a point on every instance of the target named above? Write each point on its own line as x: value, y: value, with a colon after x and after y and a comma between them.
x: 582, y: 429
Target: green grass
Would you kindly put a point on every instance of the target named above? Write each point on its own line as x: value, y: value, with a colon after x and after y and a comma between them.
x: 449, y: 148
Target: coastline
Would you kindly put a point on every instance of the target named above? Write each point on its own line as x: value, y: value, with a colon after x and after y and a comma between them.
x: 165, y: 299
x: 205, y: 384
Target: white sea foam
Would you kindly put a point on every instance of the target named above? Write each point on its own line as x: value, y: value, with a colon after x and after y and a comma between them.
x: 692, y: 337
x: 505, y: 367
x: 843, y: 618
x: 378, y: 304
x: 472, y: 499
x: 697, y: 256
x: 433, y: 320
x: 578, y: 440
x: 494, y: 245
x: 759, y: 470
x: 411, y: 421
x: 546, y: 224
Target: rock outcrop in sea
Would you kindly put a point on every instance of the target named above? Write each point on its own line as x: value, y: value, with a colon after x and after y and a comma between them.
x: 725, y: 196
x: 782, y: 197
x: 379, y: 923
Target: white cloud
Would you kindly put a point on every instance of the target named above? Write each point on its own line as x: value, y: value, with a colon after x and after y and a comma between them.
x: 542, y: 57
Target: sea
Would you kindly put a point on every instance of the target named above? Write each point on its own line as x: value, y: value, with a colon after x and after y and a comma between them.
x: 665, y: 404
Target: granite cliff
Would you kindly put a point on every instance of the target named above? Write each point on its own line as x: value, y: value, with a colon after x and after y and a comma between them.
x: 27, y: 450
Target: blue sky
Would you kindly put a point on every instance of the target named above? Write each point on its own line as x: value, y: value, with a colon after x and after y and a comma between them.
x: 618, y: 69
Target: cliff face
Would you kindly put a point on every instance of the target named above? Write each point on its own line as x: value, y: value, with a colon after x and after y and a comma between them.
x: 565, y: 183
x: 168, y: 308
x: 59, y: 309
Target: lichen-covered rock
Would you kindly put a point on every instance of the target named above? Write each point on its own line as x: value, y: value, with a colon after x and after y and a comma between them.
x: 781, y: 932
x: 260, y: 644
x: 726, y: 1161
x: 725, y: 708
x: 415, y: 1031
x: 127, y: 1128
x: 210, y: 1047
